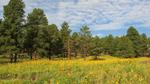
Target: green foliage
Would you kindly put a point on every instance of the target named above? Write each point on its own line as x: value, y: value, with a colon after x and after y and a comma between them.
x: 144, y: 45
x: 65, y: 36
x: 43, y: 43
x: 96, y: 47
x: 148, y: 45
x: 134, y: 36
x: 49, y: 41
x: 56, y: 41
x: 65, y: 31
x: 108, y: 44
x: 124, y: 47
x: 37, y: 17
x: 85, y: 40
x: 36, y: 21
x: 35, y: 36
x: 75, y: 43
x: 11, y: 27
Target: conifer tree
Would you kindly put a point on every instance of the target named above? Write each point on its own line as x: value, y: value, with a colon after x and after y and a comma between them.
x: 96, y: 47
x: 85, y: 40
x: 124, y: 47
x: 144, y: 45
x: 65, y: 35
x: 13, y: 22
x: 75, y: 43
x: 108, y: 44
x: 134, y: 36
x: 35, y: 21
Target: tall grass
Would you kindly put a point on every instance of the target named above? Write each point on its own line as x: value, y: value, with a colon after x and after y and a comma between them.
x: 110, y: 70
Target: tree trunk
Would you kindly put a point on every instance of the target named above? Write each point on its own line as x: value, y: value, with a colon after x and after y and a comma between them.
x: 49, y: 57
x: 51, y: 53
x: 68, y: 49
x: 96, y: 57
x: 35, y: 55
x: 11, y: 58
x: 84, y: 54
x: 15, y: 58
x: 76, y: 53
x: 30, y: 55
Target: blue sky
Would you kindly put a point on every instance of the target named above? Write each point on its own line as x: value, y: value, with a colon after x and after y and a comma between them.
x: 102, y: 16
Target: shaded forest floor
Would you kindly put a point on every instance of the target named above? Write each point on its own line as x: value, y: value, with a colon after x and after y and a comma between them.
x: 107, y: 70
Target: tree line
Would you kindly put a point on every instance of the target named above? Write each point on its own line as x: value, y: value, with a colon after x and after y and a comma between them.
x: 35, y: 37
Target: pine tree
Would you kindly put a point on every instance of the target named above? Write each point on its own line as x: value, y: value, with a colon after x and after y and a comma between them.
x: 148, y: 46
x: 75, y: 43
x: 96, y: 47
x: 1, y: 37
x: 108, y: 44
x: 13, y: 22
x: 124, y: 47
x: 65, y: 35
x: 44, y: 42
x: 56, y: 42
x: 144, y: 45
x: 35, y: 20
x: 134, y: 36
x: 85, y: 40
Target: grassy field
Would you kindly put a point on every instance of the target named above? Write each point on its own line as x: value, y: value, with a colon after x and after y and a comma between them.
x: 108, y: 70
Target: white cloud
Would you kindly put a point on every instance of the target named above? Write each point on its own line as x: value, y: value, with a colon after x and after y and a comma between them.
x: 3, y: 2
x: 98, y: 14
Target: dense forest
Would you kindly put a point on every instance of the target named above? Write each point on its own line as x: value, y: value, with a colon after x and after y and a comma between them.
x: 33, y: 37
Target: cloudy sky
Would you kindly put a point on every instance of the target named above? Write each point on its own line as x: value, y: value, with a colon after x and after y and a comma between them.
x: 102, y: 16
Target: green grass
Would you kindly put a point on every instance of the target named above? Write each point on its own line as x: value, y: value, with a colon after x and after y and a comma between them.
x: 107, y: 70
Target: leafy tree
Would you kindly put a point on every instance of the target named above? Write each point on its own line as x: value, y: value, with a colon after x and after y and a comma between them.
x: 35, y: 20
x: 13, y: 22
x: 65, y: 35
